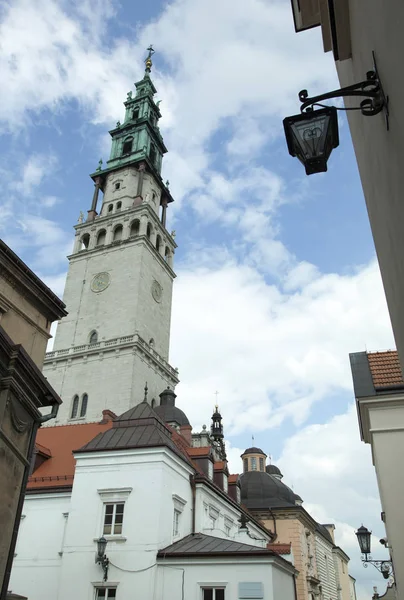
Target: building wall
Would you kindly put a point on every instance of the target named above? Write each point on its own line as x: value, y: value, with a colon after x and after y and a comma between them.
x: 57, y: 542
x: 325, y: 568
x: 113, y: 375
x: 377, y: 26
x: 126, y: 306
x: 387, y: 431
x: 277, y: 583
x: 341, y: 576
x: 39, y: 551
x: 23, y: 322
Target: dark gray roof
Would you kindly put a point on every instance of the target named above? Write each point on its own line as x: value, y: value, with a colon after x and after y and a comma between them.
x: 273, y: 470
x: 259, y: 489
x: 361, y: 375
x: 324, y: 532
x: 200, y: 544
x: 253, y: 450
x: 138, y: 427
x: 171, y: 414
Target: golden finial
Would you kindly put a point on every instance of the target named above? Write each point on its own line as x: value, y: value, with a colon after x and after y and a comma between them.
x: 148, y: 61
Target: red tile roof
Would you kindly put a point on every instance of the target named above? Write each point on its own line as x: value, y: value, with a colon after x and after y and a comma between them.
x: 385, y: 369
x: 233, y: 478
x: 60, y: 441
x: 204, y: 451
x: 220, y: 465
x: 280, y: 548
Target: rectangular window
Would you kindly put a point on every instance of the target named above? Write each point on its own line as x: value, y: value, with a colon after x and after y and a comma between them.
x: 176, y: 522
x: 113, y: 519
x: 105, y: 593
x: 213, y: 593
x: 253, y: 463
x: 261, y: 464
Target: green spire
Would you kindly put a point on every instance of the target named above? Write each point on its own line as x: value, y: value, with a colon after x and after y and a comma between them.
x: 138, y: 138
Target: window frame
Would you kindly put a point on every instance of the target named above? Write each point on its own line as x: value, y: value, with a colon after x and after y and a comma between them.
x: 107, y: 588
x: 214, y: 586
x: 112, y: 496
x: 113, y: 515
x: 253, y: 463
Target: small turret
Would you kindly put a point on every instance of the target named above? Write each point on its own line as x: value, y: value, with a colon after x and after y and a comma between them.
x: 216, y: 428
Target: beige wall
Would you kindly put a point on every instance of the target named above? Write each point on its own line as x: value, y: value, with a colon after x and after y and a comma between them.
x: 386, y: 425
x: 292, y: 530
x: 377, y: 25
x: 23, y: 322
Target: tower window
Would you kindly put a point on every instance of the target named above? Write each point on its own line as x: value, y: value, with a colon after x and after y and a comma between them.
x: 158, y: 243
x: 118, y: 205
x: 152, y: 153
x: 167, y: 254
x: 135, y: 114
x: 110, y: 208
x: 84, y: 402
x: 101, y: 237
x: 85, y: 241
x: 93, y: 337
x: 75, y: 407
x: 245, y: 465
x: 148, y: 230
x: 118, y: 233
x: 127, y: 145
x: 134, y: 228
x: 117, y: 185
x: 253, y: 463
x: 261, y: 464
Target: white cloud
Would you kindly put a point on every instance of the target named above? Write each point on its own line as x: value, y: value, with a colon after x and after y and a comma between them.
x: 271, y: 354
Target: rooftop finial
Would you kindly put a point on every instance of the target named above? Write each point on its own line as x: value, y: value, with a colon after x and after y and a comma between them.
x: 146, y: 389
x: 148, y: 61
x: 252, y: 438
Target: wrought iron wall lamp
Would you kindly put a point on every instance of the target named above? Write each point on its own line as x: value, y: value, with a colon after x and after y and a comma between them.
x: 312, y: 135
x: 101, y: 558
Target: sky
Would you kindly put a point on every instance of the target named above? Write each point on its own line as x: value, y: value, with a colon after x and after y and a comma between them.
x: 277, y: 279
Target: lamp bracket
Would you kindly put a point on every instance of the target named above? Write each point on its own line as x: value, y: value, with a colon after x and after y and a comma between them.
x: 375, y: 100
x: 104, y: 562
x: 384, y: 566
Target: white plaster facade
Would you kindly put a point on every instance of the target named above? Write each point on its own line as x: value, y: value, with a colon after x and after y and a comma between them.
x: 57, y: 540
x: 382, y: 426
x: 129, y: 312
x: 326, y: 568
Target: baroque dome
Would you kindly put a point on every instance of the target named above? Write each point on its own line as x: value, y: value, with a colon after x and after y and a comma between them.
x: 168, y: 412
x: 260, y: 490
x: 253, y: 450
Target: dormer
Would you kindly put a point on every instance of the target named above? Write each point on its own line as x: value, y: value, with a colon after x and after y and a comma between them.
x: 221, y: 475
x: 204, y: 459
x: 234, y: 488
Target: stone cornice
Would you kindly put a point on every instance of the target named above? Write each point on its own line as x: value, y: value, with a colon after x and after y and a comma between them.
x: 379, y: 402
x: 128, y: 341
x: 20, y: 276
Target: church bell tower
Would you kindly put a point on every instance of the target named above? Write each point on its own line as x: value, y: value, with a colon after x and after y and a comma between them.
x: 118, y: 290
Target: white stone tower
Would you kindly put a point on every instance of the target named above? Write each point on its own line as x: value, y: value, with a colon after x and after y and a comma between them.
x: 119, y: 286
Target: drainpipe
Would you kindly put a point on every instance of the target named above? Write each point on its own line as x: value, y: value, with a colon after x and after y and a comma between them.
x: 193, y: 488
x: 274, y: 520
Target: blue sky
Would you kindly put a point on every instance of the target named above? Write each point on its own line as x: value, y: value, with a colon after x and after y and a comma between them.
x: 277, y: 278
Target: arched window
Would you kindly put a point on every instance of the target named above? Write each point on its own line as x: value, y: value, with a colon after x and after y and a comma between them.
x: 153, y: 403
x: 118, y: 233
x: 134, y: 228
x: 118, y: 205
x: 135, y: 114
x: 152, y: 153
x: 110, y: 208
x: 75, y: 407
x: 84, y: 402
x: 93, y: 337
x: 85, y: 241
x: 151, y: 343
x: 154, y: 197
x: 167, y: 253
x: 158, y: 243
x: 101, y: 237
x: 117, y: 185
x: 127, y: 145
x: 148, y: 230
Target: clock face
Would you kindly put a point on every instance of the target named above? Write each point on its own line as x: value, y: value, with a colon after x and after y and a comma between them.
x: 157, y: 291
x: 100, y: 282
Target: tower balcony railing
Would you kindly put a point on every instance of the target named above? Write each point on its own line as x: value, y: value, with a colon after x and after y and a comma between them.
x: 119, y: 341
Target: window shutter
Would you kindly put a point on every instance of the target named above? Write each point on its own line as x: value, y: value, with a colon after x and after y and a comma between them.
x: 250, y: 589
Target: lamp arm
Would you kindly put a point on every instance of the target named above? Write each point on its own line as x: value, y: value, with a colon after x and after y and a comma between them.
x: 373, y: 91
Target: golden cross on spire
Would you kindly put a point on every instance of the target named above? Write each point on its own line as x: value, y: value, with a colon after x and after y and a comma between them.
x: 148, y: 60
